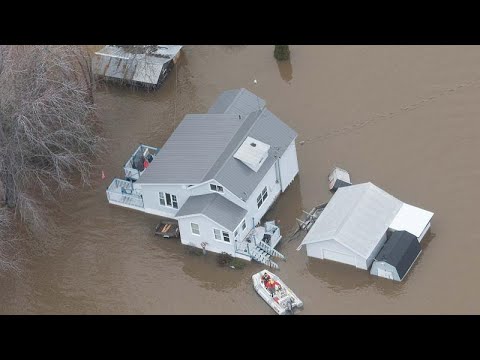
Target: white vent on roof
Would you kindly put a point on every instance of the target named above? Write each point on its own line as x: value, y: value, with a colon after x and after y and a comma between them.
x: 252, y: 153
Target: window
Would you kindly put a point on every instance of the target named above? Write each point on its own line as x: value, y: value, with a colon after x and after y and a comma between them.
x: 226, y: 236
x: 167, y: 199
x: 221, y: 235
x: 235, y: 234
x: 261, y: 198
x: 216, y: 188
x: 244, y: 224
x: 195, y: 229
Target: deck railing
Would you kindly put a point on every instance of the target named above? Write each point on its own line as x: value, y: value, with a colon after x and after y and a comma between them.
x: 145, y: 150
x: 122, y: 193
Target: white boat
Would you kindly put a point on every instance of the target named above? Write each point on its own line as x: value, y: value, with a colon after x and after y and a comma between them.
x: 283, y: 301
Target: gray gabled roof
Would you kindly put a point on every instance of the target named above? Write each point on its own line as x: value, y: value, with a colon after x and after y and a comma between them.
x: 202, y: 146
x: 192, y: 149
x: 215, y: 207
x: 400, y: 251
x: 238, y: 101
x: 356, y: 216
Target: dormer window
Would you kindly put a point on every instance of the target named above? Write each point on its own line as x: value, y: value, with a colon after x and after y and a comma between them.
x: 216, y: 188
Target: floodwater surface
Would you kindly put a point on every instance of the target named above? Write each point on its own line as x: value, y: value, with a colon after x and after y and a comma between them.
x: 404, y: 117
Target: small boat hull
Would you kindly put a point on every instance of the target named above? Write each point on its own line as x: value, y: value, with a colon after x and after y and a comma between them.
x: 284, y: 301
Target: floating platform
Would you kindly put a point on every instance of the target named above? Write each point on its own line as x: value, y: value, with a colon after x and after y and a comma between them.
x: 167, y: 229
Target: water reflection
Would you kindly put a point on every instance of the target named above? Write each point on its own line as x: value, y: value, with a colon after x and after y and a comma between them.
x: 340, y: 277
x: 233, y: 49
x: 286, y: 70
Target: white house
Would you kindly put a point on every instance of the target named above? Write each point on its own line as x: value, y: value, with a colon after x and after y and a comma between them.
x: 357, y: 222
x: 217, y: 174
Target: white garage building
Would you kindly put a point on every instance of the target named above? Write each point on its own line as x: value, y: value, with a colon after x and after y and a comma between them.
x: 353, y: 227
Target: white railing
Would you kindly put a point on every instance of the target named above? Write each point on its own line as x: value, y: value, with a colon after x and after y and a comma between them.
x: 145, y: 150
x: 122, y: 193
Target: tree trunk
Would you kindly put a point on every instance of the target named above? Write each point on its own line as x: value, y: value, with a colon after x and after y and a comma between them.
x: 10, y: 193
x: 6, y: 175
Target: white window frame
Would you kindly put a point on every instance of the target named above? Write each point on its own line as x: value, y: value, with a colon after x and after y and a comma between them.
x: 227, y: 236
x: 219, y: 234
x: 191, y: 229
x: 216, y: 188
x: 173, y: 200
x: 223, y: 234
x: 262, y: 197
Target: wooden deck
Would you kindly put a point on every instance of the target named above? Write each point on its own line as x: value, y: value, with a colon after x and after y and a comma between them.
x: 167, y: 229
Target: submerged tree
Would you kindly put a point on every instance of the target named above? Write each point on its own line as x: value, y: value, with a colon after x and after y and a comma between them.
x: 48, y: 131
x: 281, y: 52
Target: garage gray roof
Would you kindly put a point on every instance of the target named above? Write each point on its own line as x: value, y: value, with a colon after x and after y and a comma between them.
x: 202, y: 146
x: 400, y: 251
x: 356, y: 216
x: 215, y: 207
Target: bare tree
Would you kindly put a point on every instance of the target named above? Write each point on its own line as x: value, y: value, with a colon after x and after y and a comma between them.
x: 48, y: 131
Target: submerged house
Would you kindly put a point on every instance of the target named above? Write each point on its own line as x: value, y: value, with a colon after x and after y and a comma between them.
x: 217, y: 174
x: 146, y: 65
x: 358, y: 221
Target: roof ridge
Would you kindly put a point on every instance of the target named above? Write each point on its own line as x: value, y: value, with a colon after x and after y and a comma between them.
x: 347, y: 215
x: 234, y: 99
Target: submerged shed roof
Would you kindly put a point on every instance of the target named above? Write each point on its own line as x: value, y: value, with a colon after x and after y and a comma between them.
x: 138, y: 63
x: 357, y: 216
x: 215, y: 207
x: 400, y: 251
x: 202, y: 147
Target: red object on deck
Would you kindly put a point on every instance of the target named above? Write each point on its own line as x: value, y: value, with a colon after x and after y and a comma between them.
x: 145, y: 164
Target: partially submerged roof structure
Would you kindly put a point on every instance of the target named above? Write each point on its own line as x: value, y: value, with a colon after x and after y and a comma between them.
x: 357, y: 216
x: 144, y: 64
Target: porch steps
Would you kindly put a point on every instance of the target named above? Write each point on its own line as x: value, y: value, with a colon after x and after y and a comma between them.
x: 263, y: 257
x: 271, y: 251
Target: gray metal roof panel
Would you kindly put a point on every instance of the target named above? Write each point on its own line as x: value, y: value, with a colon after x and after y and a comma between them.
x: 215, y: 207
x: 192, y: 150
x: 400, y: 251
x: 238, y: 177
x: 238, y: 101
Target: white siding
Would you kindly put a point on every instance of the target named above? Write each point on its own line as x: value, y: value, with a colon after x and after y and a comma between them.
x: 382, y: 269
x: 376, y: 250
x: 152, y: 203
x: 288, y: 165
x: 317, y: 250
x: 206, y: 227
x: 273, y: 188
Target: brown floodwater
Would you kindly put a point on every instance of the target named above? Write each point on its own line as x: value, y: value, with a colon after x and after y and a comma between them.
x: 404, y: 117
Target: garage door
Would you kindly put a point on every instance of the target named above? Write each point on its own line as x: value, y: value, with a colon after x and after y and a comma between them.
x: 339, y: 257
